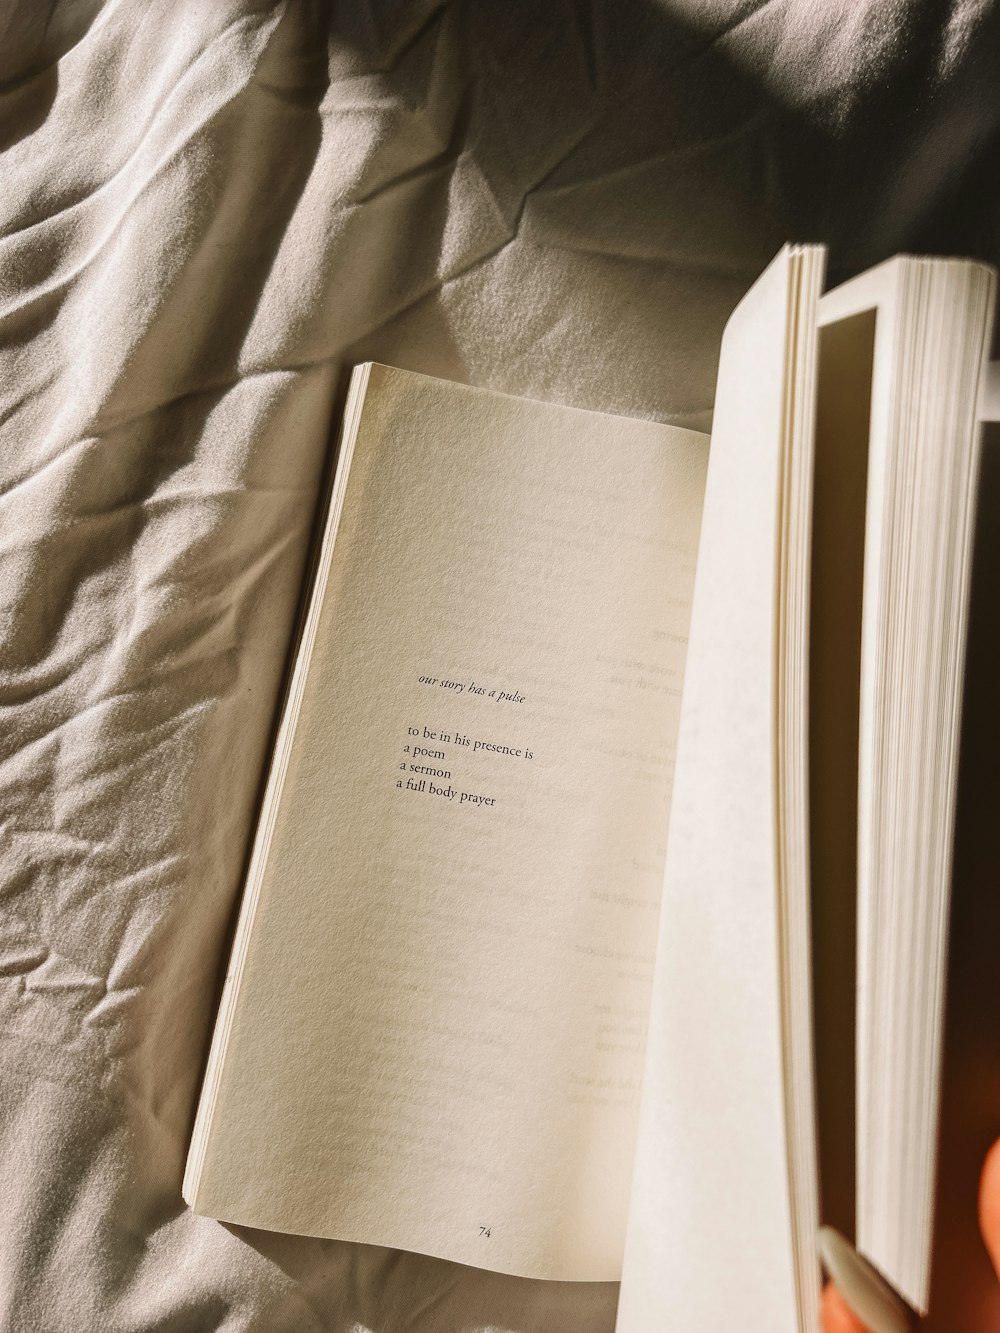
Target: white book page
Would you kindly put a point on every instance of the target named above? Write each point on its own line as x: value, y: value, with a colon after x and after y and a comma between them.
x: 712, y: 1224
x: 438, y: 1035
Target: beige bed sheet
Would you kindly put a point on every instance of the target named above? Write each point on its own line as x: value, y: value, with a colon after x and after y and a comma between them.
x: 208, y: 212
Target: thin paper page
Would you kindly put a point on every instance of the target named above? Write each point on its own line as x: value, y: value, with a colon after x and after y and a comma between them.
x: 439, y: 1032
x: 710, y: 1232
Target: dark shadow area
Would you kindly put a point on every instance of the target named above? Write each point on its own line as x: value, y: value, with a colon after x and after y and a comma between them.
x: 843, y: 411
x: 29, y: 75
x: 912, y: 139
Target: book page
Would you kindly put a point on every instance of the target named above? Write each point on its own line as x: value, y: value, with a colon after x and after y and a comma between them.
x: 723, y: 1215
x: 438, y: 1036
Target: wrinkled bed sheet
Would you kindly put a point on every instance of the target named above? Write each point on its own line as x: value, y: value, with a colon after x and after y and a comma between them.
x: 209, y: 212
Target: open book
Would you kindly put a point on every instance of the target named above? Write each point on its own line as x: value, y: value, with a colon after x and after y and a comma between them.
x: 460, y: 1017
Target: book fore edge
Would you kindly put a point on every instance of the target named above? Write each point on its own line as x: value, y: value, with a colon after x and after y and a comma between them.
x: 278, y: 766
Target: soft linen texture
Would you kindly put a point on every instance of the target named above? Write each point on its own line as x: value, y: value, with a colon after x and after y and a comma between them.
x: 208, y: 212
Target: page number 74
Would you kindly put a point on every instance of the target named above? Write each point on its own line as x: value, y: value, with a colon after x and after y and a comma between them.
x: 484, y: 1231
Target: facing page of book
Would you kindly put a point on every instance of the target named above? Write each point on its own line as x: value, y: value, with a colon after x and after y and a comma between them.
x: 724, y: 1211
x: 433, y: 1025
